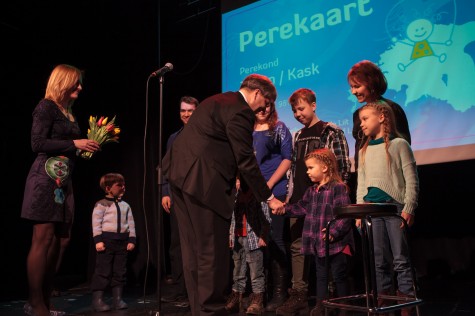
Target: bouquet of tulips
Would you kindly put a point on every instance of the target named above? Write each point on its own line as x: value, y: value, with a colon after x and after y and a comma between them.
x: 102, y: 131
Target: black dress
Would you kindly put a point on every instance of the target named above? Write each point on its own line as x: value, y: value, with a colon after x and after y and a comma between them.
x: 52, y: 134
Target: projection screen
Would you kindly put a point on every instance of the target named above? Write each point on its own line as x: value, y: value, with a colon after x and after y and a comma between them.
x: 425, y: 48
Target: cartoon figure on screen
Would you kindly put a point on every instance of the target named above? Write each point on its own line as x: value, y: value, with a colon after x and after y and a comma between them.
x: 420, y: 31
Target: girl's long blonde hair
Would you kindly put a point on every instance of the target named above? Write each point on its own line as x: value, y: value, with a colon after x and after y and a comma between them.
x: 62, y: 81
x: 388, y: 125
x: 327, y: 157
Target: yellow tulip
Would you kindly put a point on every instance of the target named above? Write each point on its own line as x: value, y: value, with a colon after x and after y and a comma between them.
x: 104, y: 121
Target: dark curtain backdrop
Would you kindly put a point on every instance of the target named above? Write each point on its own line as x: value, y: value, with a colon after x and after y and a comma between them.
x: 118, y: 44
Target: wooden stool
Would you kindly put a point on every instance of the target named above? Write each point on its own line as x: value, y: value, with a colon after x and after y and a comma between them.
x: 366, y: 212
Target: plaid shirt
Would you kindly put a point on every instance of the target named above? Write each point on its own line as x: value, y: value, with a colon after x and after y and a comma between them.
x: 333, y: 138
x: 317, y: 207
x: 257, y: 222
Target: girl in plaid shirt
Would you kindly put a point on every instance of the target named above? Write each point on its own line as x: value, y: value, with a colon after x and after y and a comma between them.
x: 317, y: 204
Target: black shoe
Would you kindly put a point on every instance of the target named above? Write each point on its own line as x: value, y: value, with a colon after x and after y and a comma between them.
x: 182, y: 302
x: 55, y: 293
x: 174, y: 297
x: 169, y: 280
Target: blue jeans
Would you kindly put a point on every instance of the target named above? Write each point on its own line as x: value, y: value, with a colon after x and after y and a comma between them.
x: 339, y: 268
x: 242, y: 257
x: 387, y: 234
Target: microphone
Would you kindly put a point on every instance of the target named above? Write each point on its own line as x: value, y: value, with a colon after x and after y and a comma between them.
x: 168, y: 67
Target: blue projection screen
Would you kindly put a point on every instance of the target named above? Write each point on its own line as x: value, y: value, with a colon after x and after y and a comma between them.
x: 425, y: 48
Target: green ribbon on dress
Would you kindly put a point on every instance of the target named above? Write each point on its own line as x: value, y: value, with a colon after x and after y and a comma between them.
x: 57, y: 169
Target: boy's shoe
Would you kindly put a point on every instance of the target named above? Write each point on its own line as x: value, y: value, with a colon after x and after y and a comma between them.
x: 234, y: 302
x: 183, y: 303
x: 256, y: 306
x: 173, y: 298
x: 98, y: 303
x: 296, y: 304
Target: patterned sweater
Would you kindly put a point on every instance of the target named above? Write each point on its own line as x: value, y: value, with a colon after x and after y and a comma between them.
x: 113, y: 219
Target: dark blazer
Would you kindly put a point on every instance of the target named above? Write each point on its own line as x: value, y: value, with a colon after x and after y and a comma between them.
x: 212, y: 149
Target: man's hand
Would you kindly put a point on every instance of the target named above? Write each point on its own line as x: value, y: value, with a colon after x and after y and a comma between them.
x: 275, y: 204
x: 166, y: 203
x: 279, y: 211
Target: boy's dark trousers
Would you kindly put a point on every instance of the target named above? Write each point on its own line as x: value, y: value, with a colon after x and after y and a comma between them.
x: 111, y: 264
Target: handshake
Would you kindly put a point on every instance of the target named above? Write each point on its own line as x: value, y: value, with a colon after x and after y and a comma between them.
x: 279, y: 211
x: 277, y: 206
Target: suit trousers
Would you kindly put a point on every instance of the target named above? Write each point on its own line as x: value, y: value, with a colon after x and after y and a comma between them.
x: 176, y: 261
x: 204, y: 237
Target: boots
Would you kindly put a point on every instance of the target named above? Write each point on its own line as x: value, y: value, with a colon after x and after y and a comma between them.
x: 98, y: 303
x: 257, y: 304
x: 318, y: 310
x: 117, y: 302
x: 381, y: 301
x: 408, y: 311
x: 296, y: 304
x: 279, y: 277
x: 234, y: 302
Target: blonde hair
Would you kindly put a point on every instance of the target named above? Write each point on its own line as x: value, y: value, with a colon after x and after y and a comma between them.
x: 63, y: 79
x: 388, y: 126
x: 327, y: 158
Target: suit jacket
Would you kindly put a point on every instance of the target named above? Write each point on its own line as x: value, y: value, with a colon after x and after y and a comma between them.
x: 212, y: 149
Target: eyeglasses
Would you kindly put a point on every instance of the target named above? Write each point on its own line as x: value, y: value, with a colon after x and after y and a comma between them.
x: 267, y: 102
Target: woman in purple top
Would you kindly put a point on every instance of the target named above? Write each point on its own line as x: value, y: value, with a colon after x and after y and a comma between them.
x: 317, y: 205
x: 273, y: 149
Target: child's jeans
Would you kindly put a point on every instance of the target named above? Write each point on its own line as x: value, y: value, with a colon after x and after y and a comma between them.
x: 242, y: 257
x: 387, y: 234
x: 339, y: 268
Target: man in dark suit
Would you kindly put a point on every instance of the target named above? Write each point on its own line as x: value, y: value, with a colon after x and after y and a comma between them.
x: 201, y: 167
x: 178, y: 291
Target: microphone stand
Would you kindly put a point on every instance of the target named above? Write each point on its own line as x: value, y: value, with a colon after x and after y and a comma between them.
x: 159, y: 217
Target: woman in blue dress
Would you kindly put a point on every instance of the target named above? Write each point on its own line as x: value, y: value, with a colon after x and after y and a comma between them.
x: 273, y: 149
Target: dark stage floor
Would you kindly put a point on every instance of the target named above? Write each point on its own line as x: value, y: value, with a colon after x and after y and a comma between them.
x: 449, y: 294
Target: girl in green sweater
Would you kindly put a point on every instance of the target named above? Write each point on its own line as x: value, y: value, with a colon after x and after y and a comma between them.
x: 388, y: 174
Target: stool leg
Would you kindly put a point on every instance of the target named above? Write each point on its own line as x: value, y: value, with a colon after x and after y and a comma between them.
x: 366, y: 236
x: 371, y: 262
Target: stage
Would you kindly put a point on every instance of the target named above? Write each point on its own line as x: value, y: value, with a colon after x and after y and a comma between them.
x: 443, y: 294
